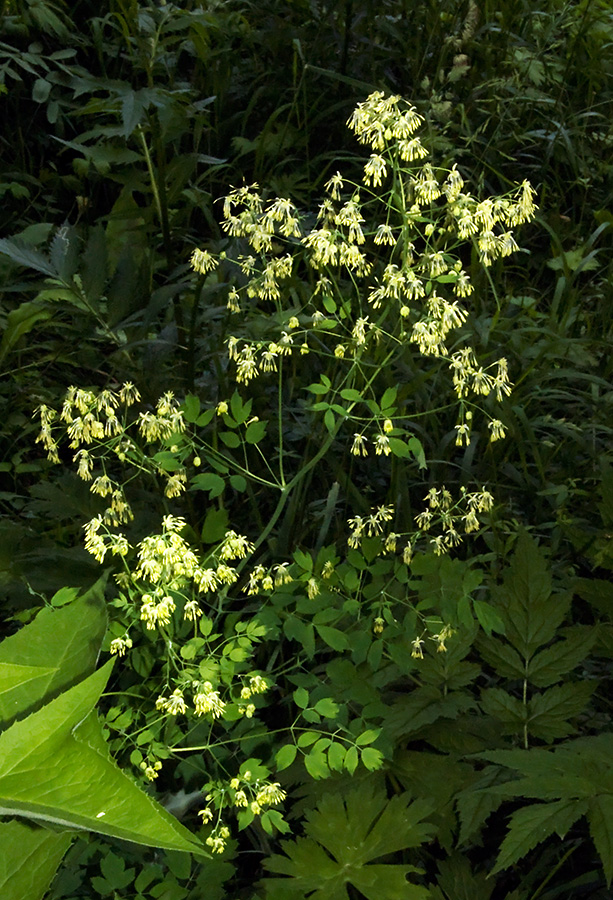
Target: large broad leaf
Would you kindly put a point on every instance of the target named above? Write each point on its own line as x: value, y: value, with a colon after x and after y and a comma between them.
x: 51, y: 653
x: 39, y: 853
x: 54, y: 769
x: 345, y: 836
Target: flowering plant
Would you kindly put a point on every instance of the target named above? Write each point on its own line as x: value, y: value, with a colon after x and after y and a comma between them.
x: 327, y: 315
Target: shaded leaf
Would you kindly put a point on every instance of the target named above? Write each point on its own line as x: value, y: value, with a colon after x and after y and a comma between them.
x: 530, y: 612
x: 533, y: 824
x: 549, y: 712
x: 548, y: 666
x: 600, y: 818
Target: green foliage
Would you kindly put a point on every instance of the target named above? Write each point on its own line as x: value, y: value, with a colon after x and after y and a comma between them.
x: 55, y: 769
x: 532, y: 614
x: 345, y: 835
x: 580, y: 775
x: 122, y: 127
x: 29, y: 859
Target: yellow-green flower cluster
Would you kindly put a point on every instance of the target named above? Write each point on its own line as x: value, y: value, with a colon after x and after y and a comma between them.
x: 90, y: 418
x: 452, y: 518
x: 245, y: 794
x: 405, y: 267
x: 369, y: 526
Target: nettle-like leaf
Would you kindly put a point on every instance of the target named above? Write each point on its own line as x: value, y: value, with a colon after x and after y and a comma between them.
x: 55, y: 769
x: 457, y: 881
x: 531, y: 613
x: 52, y: 653
x: 422, y: 707
x: 531, y: 825
x: 574, y: 780
x: 344, y: 836
x: 38, y: 853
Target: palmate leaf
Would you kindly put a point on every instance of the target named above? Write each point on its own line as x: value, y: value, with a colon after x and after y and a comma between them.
x: 345, y: 835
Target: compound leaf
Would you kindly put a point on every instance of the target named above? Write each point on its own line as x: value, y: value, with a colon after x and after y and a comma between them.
x: 533, y: 824
x: 345, y: 835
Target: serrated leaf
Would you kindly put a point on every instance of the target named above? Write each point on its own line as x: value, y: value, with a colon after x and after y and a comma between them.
x: 503, y: 658
x: 548, y: 666
x: 29, y: 858
x: 22, y: 254
x: 548, y: 713
x: 476, y: 804
x: 423, y: 706
x: 458, y: 881
x: 531, y: 825
x: 530, y: 613
x: 54, y: 768
x: 63, y: 644
x: 345, y: 836
x: 600, y: 818
x: 508, y: 710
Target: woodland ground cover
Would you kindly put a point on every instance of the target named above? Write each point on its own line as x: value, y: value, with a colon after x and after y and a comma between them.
x: 306, y: 345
